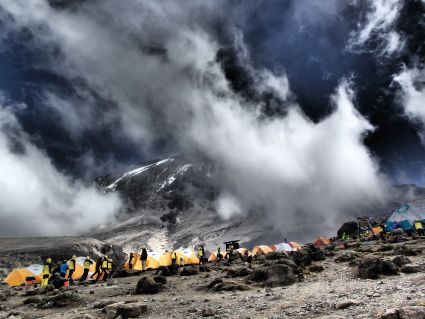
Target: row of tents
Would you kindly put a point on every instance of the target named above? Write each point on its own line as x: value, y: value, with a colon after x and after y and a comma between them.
x: 187, y: 256
x: 18, y: 276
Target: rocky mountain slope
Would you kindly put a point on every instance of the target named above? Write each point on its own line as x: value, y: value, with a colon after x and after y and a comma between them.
x: 170, y: 202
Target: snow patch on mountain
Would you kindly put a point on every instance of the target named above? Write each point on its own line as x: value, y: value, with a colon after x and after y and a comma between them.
x: 172, y: 178
x: 135, y: 172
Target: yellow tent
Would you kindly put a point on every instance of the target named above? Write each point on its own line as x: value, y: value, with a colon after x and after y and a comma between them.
x: 18, y: 276
x: 188, y: 255
x: 262, y: 249
x: 151, y: 263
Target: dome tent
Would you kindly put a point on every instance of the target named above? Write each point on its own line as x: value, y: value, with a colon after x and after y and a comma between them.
x: 405, y: 216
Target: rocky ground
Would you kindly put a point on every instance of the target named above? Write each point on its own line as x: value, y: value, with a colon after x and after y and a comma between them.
x: 367, y: 280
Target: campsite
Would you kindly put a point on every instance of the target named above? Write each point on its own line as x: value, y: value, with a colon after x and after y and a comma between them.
x: 287, y: 279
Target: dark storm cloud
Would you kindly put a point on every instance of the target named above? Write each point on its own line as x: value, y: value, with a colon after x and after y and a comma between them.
x: 184, y: 75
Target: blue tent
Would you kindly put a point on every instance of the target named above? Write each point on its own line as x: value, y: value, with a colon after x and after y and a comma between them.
x: 406, y: 215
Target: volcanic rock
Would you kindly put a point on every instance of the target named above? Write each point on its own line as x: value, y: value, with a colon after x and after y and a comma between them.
x: 370, y: 267
x: 146, y: 285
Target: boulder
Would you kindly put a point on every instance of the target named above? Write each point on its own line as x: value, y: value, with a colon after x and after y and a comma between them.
x: 208, y: 312
x: 62, y: 299
x: 32, y: 300
x: 406, y: 251
x: 346, y: 256
x: 160, y: 279
x: 346, y: 304
x: 274, y: 255
x: 279, y: 275
x: 228, y: 286
x: 131, y: 310
x: 216, y: 281
x: 370, y: 267
x: 147, y: 285
x: 259, y: 274
x: 410, y: 269
x: 238, y: 272
x: 401, y: 260
x: 390, y: 314
x: 188, y: 271
x: 389, y: 268
x: 316, y: 268
x: 412, y: 312
x: 204, y: 268
x: 350, y: 228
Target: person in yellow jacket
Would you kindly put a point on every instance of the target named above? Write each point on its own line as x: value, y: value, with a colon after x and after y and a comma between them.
x: 47, y: 271
x: 419, y: 227
x: 131, y: 261
x: 104, y: 268
x: 71, y: 265
x: 173, y: 257
x: 87, y: 264
x: 201, y: 255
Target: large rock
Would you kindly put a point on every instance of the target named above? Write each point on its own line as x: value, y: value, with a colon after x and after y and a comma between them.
x: 228, y: 286
x: 370, y: 267
x: 238, y: 272
x: 146, y: 285
x: 412, y: 312
x: 350, y: 228
x: 259, y: 275
x: 389, y: 268
x: 346, y: 256
x: 410, y: 268
x: 63, y: 299
x: 131, y: 310
x: 279, y: 275
x: 401, y: 260
x: 309, y: 254
x: 160, y: 279
x: 188, y: 271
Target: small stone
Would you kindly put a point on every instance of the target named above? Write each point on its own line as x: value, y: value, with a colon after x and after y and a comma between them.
x: 208, y: 312
x: 346, y: 304
x: 390, y: 314
x: 410, y: 269
x: 91, y: 292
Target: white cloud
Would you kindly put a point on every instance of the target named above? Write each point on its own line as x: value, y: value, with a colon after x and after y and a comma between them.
x: 412, y: 82
x: 37, y: 199
x: 157, y: 62
x: 379, y: 24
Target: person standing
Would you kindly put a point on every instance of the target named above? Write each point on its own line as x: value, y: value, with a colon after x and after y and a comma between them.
x: 98, y: 269
x: 201, y: 254
x: 173, y: 257
x: 71, y: 264
x: 131, y: 261
x: 419, y: 228
x: 47, y: 270
x: 87, y: 264
x: 219, y: 256
x: 144, y: 258
x: 104, y: 267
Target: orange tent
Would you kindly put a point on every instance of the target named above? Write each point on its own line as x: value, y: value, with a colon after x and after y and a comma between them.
x: 377, y: 230
x: 322, y: 241
x: 295, y: 246
x: 18, y: 276
x: 243, y: 250
x: 260, y: 250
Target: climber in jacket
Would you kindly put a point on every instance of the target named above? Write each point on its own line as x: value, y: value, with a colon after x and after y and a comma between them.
x: 173, y: 257
x: 87, y: 264
x: 71, y: 264
x: 219, y: 256
x: 131, y: 261
x: 419, y: 227
x: 98, y: 269
x: 63, y: 268
x: 201, y: 254
x: 47, y: 270
x: 144, y: 258
x: 104, y: 268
